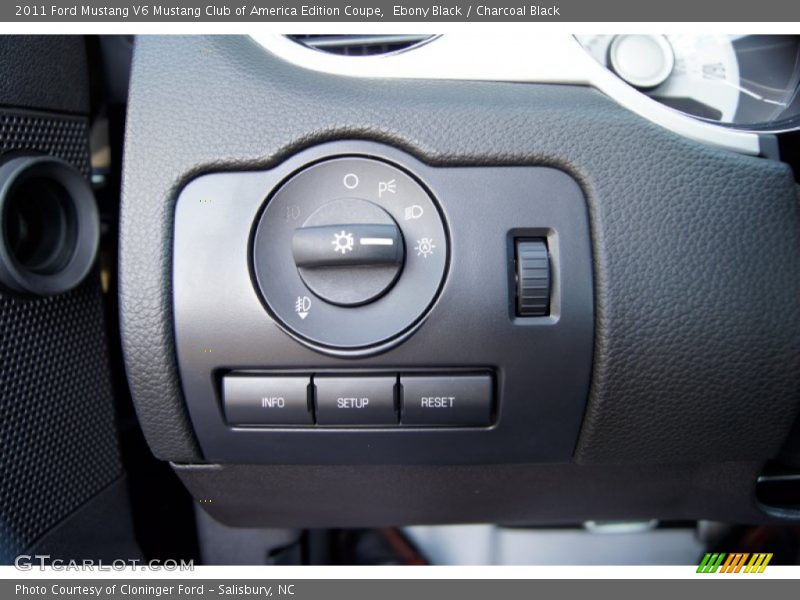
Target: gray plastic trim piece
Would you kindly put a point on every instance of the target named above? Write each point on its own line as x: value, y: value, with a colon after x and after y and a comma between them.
x: 542, y: 363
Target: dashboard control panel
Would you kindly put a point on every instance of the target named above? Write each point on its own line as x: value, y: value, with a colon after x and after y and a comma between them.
x: 353, y: 305
x: 379, y: 400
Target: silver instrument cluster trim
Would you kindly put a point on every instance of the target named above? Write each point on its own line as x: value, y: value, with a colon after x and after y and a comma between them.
x: 541, y: 58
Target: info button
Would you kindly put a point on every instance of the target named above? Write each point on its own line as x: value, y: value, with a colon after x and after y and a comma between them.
x: 266, y: 400
x: 347, y: 401
x: 458, y: 400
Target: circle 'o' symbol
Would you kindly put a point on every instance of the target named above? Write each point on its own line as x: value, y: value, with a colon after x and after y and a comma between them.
x: 350, y: 181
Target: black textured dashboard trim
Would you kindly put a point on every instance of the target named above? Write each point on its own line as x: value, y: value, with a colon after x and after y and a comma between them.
x: 58, y: 434
x: 63, y: 136
x: 694, y: 358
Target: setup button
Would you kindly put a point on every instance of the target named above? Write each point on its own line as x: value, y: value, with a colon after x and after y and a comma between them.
x: 353, y: 401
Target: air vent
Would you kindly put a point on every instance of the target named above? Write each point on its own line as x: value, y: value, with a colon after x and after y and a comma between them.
x: 360, y: 45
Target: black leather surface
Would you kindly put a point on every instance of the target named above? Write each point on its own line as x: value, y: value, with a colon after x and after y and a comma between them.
x: 48, y: 72
x: 697, y: 250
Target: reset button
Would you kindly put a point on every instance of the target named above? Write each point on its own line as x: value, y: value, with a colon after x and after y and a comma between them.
x: 458, y: 400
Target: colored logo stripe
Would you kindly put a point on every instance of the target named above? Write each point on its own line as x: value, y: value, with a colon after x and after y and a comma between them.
x: 734, y: 563
x: 710, y: 562
x: 758, y: 563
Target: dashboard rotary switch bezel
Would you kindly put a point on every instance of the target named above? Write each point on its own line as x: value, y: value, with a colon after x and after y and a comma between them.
x: 349, y: 252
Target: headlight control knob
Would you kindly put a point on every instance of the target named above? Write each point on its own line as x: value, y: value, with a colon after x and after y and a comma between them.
x: 349, y: 252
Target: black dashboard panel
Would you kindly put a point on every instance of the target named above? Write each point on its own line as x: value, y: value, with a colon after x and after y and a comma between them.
x: 696, y: 271
x: 542, y: 364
